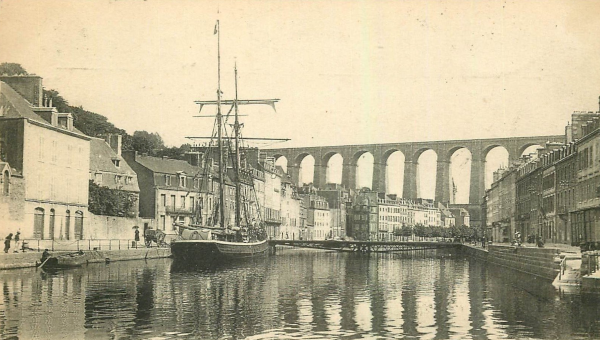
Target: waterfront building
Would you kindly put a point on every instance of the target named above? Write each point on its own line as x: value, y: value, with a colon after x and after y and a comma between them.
x: 427, y: 213
x: 49, y: 156
x: 291, y: 227
x: 501, y: 204
x: 586, y: 217
x: 318, y: 218
x: 109, y: 169
x: 272, y: 196
x: 363, y: 216
x: 170, y: 191
x: 461, y: 216
x: 528, y: 198
x: 377, y: 216
x: 338, y: 198
x: 447, y: 219
x: 566, y: 183
x: 393, y: 213
x: 548, y: 223
x: 12, y: 199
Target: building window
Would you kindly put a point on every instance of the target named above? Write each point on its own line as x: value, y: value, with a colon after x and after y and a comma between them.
x: 183, y: 201
x: 6, y: 183
x: 163, y: 200
x: 41, y: 149
x: 173, y: 201
x: 182, y: 181
x: 192, y: 202
x: 116, y: 162
x: 163, y: 222
x: 2, y: 151
x: 54, y: 151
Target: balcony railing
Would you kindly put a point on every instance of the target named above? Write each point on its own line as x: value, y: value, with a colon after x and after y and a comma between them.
x: 178, y: 210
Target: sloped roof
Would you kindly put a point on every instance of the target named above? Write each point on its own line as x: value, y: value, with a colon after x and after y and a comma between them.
x: 101, y: 160
x: 13, y: 105
x: 167, y: 165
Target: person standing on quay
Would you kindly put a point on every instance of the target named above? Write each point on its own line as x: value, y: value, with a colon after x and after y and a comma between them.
x: 17, y: 239
x: 7, y: 242
x: 137, y: 236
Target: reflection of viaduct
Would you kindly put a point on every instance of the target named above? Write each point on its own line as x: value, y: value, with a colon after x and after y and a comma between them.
x: 479, y: 149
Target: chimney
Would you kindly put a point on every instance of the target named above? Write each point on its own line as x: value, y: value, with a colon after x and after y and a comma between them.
x: 28, y: 86
x: 115, y: 142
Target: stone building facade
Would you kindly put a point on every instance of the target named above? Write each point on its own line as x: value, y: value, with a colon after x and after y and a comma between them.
x: 41, y: 145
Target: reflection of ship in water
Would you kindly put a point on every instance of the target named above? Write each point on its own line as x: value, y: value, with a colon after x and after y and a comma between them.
x: 230, y: 300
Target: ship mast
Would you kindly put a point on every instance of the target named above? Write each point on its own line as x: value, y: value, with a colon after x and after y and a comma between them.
x: 236, y: 127
x: 220, y: 137
x: 219, y: 133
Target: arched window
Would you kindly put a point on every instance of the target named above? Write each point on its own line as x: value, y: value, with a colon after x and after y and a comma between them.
x: 79, y: 225
x: 68, y: 225
x: 38, y: 224
x: 6, y: 183
x: 52, y: 219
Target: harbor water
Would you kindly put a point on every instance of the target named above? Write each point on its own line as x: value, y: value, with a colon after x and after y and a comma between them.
x: 296, y: 294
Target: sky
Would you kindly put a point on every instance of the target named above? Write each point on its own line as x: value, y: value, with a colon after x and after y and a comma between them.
x: 346, y: 72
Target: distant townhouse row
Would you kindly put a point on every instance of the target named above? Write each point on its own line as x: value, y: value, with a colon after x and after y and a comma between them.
x: 553, y: 196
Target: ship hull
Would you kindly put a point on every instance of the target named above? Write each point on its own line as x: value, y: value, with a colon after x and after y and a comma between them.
x: 212, y: 251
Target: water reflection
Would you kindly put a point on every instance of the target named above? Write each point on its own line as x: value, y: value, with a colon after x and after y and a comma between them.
x: 296, y: 294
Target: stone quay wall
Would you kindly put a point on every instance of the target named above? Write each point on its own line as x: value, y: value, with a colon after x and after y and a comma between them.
x: 539, y: 262
x: 31, y: 259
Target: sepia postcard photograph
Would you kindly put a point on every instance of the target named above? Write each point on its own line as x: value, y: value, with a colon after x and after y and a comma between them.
x: 325, y: 169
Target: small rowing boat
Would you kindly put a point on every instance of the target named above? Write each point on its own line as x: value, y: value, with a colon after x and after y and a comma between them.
x: 68, y: 260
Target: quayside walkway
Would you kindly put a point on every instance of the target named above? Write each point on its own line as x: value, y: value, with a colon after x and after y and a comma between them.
x: 363, y: 246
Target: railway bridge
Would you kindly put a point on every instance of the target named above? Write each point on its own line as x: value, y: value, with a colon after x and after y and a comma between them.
x: 479, y: 148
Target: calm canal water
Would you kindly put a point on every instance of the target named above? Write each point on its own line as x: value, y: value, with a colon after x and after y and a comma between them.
x: 293, y: 295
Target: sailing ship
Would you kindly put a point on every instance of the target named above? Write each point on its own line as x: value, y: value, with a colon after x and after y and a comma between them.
x: 215, y: 238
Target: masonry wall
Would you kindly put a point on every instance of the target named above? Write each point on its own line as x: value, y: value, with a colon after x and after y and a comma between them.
x: 12, y: 208
x: 112, y: 227
x: 539, y: 262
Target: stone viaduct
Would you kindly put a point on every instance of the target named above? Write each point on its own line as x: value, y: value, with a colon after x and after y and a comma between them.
x: 479, y: 149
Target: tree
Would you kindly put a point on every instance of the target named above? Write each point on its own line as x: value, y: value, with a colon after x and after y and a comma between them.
x: 419, y: 230
x: 406, y: 230
x: 111, y: 202
x: 58, y: 101
x: 174, y: 152
x: 12, y: 69
x: 146, y: 142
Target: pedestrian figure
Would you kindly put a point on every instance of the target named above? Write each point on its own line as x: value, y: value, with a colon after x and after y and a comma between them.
x: 137, y: 236
x: 17, y: 239
x: 7, y: 242
x: 45, y: 255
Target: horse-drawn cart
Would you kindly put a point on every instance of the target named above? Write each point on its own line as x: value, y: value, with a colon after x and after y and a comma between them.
x: 156, y: 236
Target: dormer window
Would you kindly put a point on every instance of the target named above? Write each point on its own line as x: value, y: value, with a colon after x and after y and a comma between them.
x: 116, y: 162
x: 167, y: 180
x: 182, y: 181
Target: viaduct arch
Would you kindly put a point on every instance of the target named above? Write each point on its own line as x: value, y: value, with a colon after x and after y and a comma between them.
x: 479, y: 149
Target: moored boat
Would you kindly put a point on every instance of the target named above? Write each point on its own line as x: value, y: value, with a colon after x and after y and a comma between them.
x: 69, y: 260
x: 215, y: 251
x: 220, y: 238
